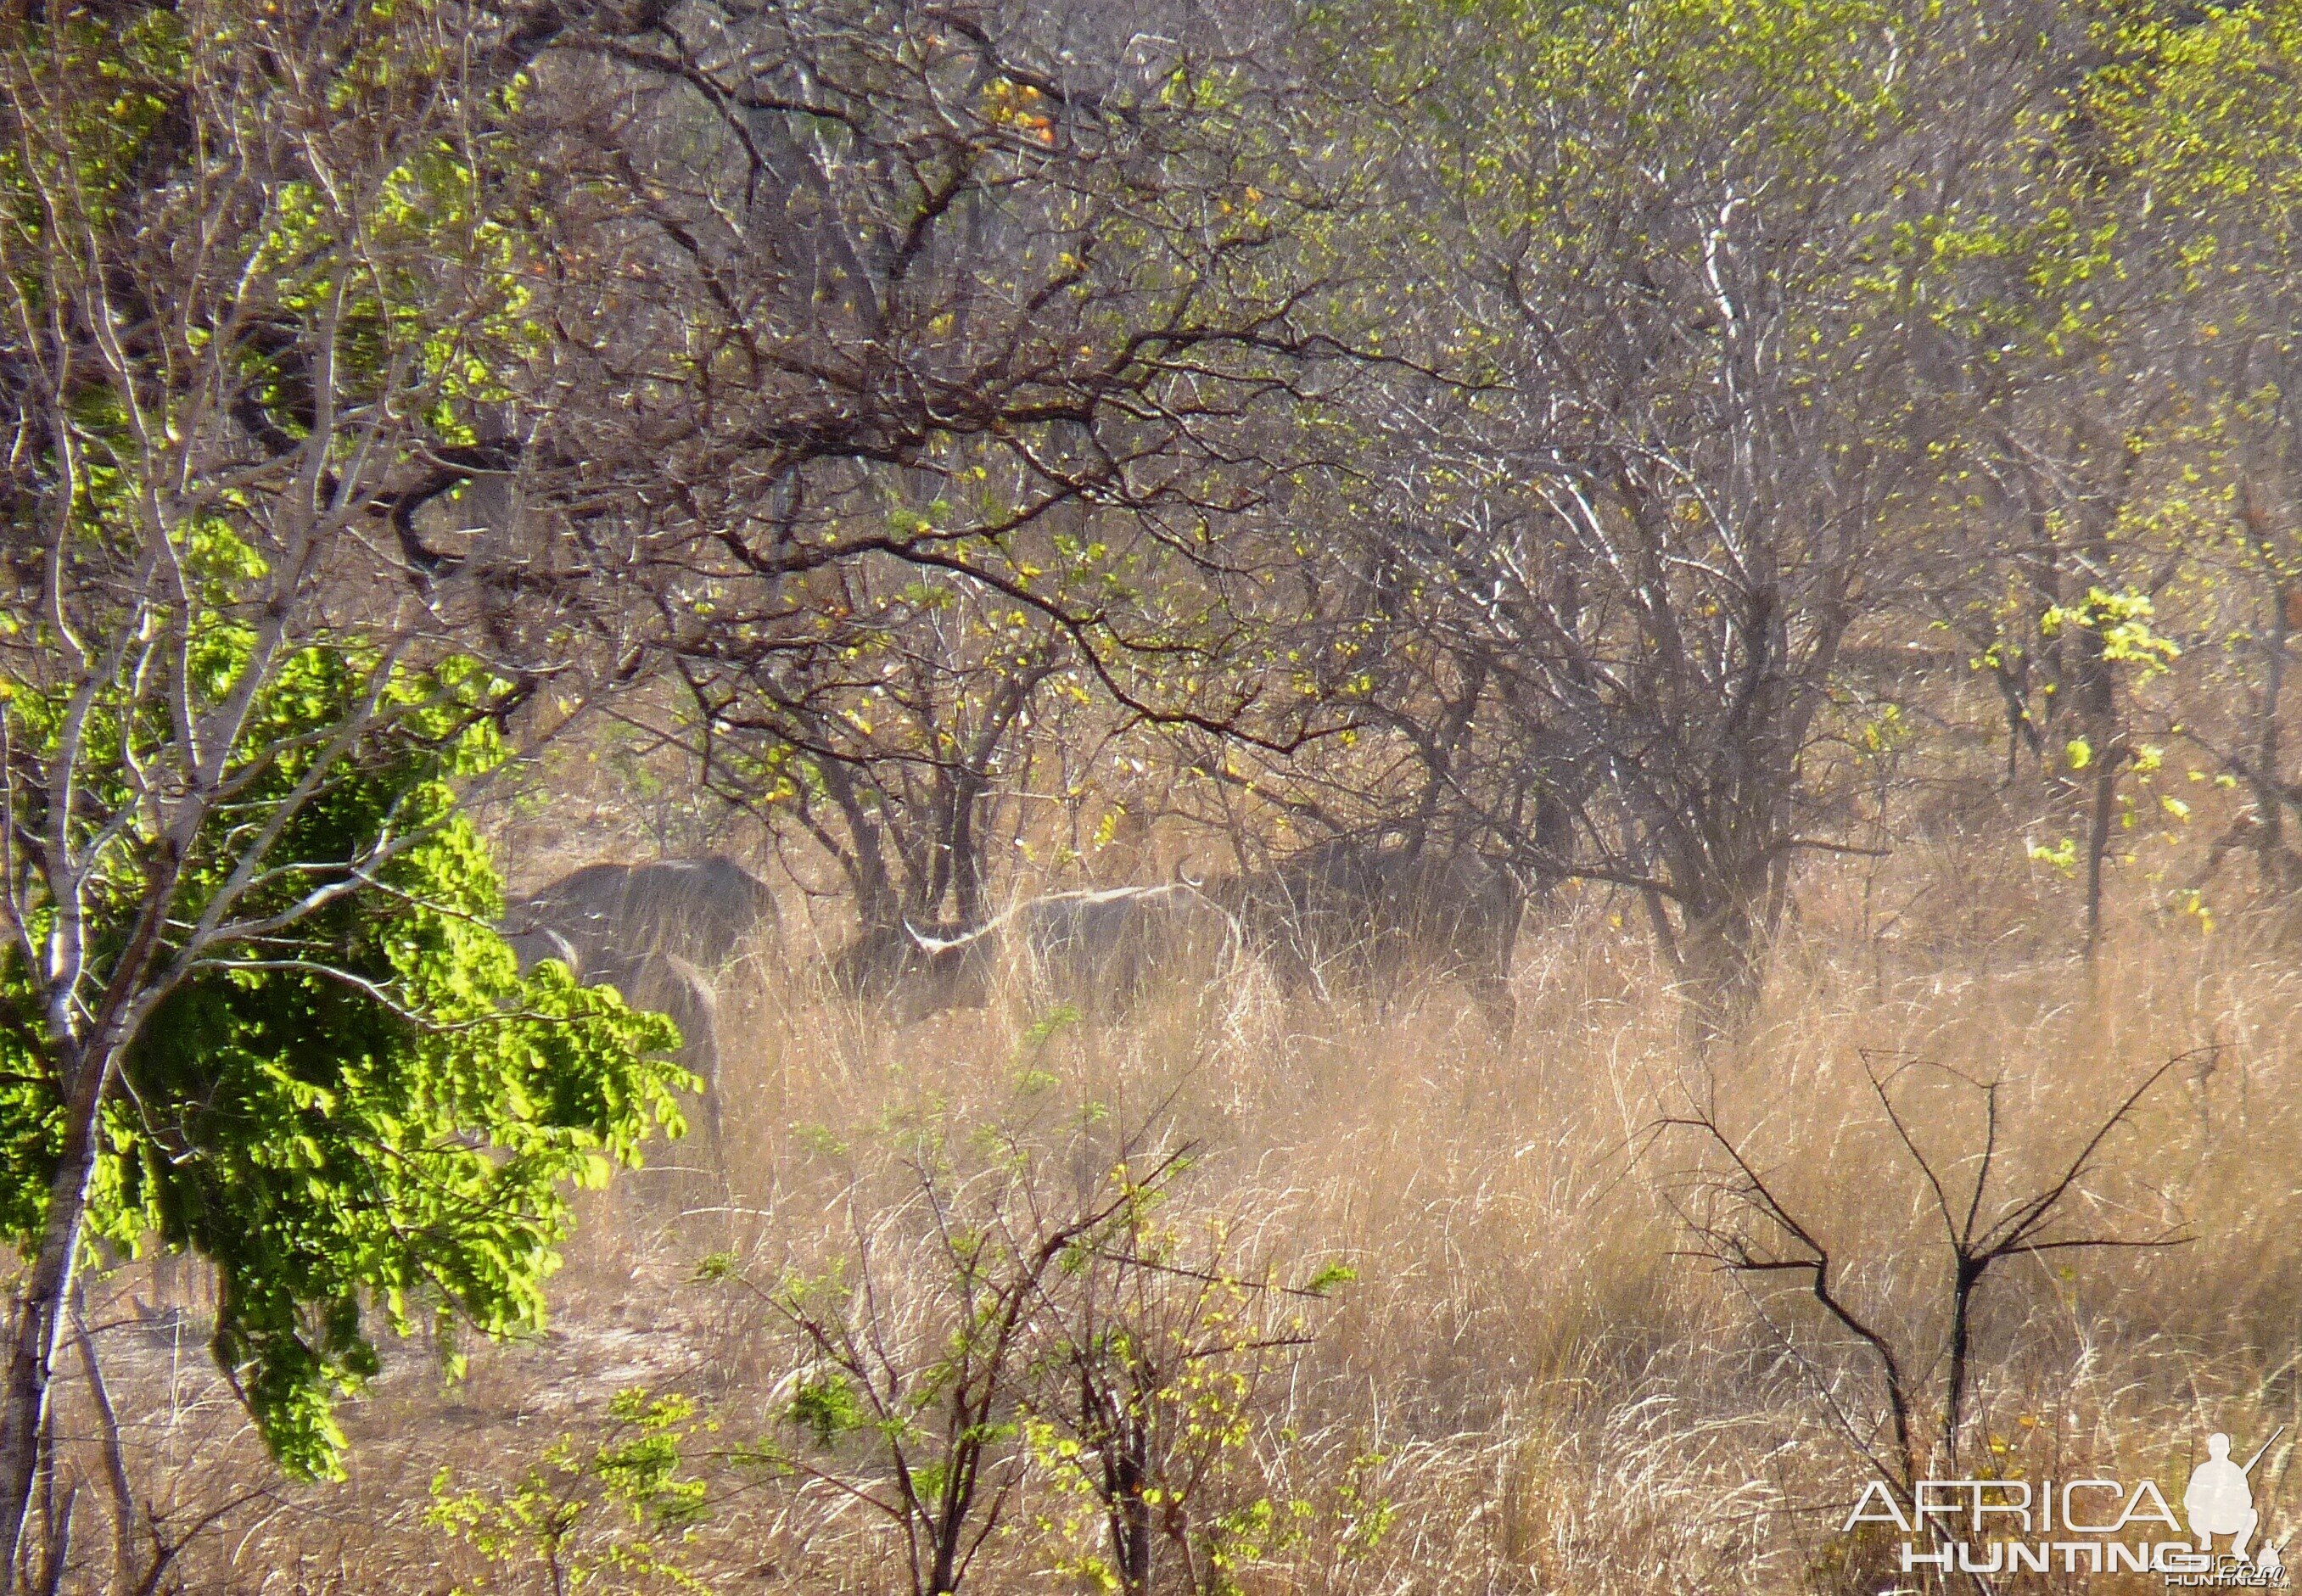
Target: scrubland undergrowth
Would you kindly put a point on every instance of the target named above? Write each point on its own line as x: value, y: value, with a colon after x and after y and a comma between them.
x: 1433, y: 1314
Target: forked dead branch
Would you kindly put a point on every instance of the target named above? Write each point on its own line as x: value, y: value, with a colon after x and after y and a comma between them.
x: 1744, y: 1218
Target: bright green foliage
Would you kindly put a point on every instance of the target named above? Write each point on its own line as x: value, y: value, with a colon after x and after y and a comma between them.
x: 308, y: 1056
x: 366, y: 1106
x: 2203, y: 108
x: 613, y: 1513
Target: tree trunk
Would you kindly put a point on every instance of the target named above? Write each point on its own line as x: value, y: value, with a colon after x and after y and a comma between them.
x: 40, y: 1313
x: 2277, y: 871
x: 2097, y: 696
x: 1723, y: 955
x: 2100, y: 818
x: 964, y: 848
x: 1126, y: 1473
x: 2097, y: 706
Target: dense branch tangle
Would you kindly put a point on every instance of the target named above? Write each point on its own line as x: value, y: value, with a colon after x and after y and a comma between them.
x: 917, y: 311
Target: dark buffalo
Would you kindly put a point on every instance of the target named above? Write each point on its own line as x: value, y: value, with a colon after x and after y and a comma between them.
x: 704, y: 911
x: 1366, y: 912
x: 658, y: 933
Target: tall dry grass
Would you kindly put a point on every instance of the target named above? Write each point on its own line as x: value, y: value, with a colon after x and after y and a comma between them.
x: 1530, y: 1386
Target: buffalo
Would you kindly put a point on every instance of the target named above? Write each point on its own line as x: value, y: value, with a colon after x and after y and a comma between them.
x: 1103, y: 950
x: 703, y: 911
x: 659, y: 933
x: 1368, y: 911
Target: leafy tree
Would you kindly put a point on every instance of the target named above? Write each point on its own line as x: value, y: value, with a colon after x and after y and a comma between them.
x: 339, y: 1092
x: 1152, y: 1412
x: 585, y: 1515
x: 2196, y: 113
x: 2121, y: 305
x: 251, y: 283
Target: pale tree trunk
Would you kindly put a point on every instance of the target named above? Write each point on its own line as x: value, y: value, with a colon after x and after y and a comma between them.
x: 40, y: 1313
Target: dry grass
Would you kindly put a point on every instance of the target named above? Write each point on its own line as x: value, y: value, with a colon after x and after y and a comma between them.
x: 1528, y: 1388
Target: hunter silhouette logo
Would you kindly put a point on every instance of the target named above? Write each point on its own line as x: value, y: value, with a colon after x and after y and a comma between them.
x: 2220, y: 1501
x: 2012, y: 1525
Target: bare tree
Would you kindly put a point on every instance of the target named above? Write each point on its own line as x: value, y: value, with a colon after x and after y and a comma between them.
x: 899, y: 300
x: 894, y: 750
x: 1744, y: 1220
x: 1639, y: 455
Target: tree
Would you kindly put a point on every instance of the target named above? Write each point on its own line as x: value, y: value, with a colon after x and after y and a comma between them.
x: 2124, y: 438
x: 940, y: 340
x: 1153, y: 1394
x: 913, y: 1384
x: 1747, y: 1218
x: 249, y: 997
x: 893, y: 746
x: 1636, y: 457
x: 617, y: 1507
x: 2194, y: 114
x: 338, y: 1088
x: 1023, y: 1330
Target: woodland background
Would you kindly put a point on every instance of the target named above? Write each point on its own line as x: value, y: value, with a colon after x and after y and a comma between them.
x: 1808, y: 486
